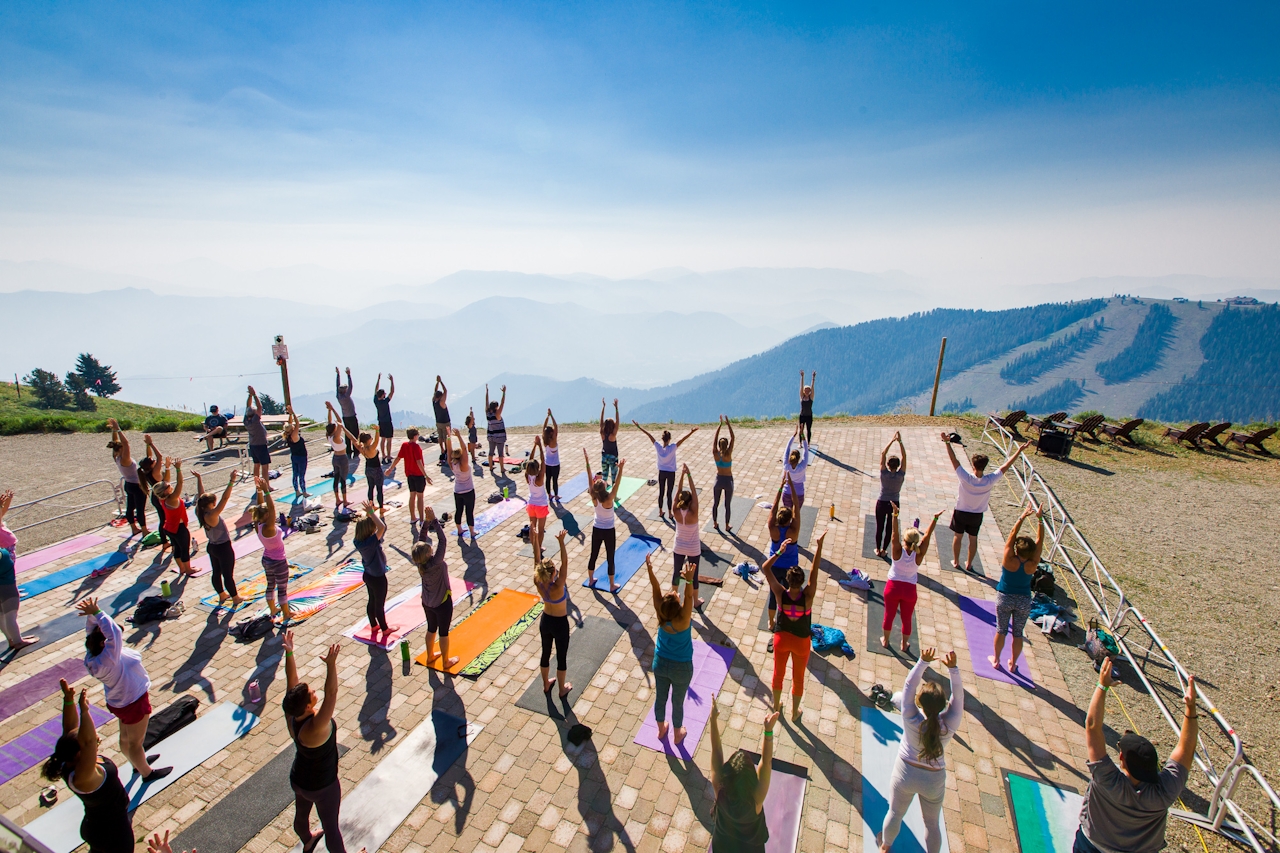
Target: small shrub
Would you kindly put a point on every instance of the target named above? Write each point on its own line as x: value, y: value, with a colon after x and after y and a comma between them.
x: 191, y: 425
x: 161, y: 424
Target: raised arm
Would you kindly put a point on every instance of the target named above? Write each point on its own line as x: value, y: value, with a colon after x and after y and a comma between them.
x: 654, y: 585
x: 444, y: 392
x: 647, y: 434
x: 902, y: 448
x: 1185, y: 752
x: 337, y: 381
x: 87, y: 736
x: 392, y: 392
x: 70, y: 719
x: 687, y: 574
x: 502, y: 404
x: 586, y: 458
x: 177, y: 486
x: 264, y: 497
x: 951, y: 451
x: 813, y: 383
x: 717, y: 753
x: 685, y: 473
x: 715, y: 439
x: 1014, y: 458
x: 617, y: 417
x: 253, y: 401
x: 486, y: 398
x: 767, y: 569
x: 617, y: 481
x: 562, y: 572
x: 812, y: 589
x: 290, y: 667
x: 118, y: 436
x: 928, y: 534
x: 914, y: 677
x: 802, y: 383
x: 325, y: 713
x: 331, y: 414
x: 954, y: 712
x: 555, y: 427
x: 1009, y: 552
x: 686, y: 436
x: 1095, y: 738
x: 732, y: 437
x: 1035, y: 561
x: 764, y: 775
x: 777, y: 501
x: 380, y: 527
x: 226, y: 494
x: 602, y: 405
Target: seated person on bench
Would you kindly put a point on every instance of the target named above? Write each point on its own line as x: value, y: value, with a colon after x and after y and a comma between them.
x: 215, y: 426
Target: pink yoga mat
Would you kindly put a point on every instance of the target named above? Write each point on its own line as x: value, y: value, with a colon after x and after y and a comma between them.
x: 710, y: 667
x: 56, y: 552
x: 404, y: 615
x: 980, y: 629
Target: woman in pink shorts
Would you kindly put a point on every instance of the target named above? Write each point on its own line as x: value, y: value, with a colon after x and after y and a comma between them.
x: 539, y: 505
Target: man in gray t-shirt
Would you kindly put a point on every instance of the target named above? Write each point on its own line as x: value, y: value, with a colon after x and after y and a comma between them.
x: 1126, y: 807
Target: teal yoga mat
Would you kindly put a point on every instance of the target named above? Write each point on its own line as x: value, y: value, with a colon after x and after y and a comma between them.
x: 628, y: 487
x: 881, y: 737
x: 628, y: 559
x: 71, y: 573
x: 1045, y: 817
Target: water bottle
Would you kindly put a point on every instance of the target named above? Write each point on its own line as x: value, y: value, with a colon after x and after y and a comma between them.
x: 165, y: 589
x: 833, y: 510
x: 404, y: 650
x: 255, y: 692
x: 505, y: 496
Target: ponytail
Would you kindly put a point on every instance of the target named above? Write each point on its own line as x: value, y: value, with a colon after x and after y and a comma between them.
x: 62, y: 762
x: 932, y: 702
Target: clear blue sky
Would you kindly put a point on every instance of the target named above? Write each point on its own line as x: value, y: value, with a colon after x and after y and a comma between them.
x: 990, y: 142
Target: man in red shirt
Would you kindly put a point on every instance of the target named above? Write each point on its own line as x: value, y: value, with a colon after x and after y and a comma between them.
x: 414, y: 472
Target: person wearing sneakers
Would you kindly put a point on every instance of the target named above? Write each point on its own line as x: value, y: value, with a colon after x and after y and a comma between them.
x: 972, y: 496
x: 128, y: 688
x: 1126, y: 808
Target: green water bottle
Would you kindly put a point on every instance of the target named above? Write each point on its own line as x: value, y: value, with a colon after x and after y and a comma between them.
x: 505, y: 496
x: 165, y: 589
x: 404, y: 650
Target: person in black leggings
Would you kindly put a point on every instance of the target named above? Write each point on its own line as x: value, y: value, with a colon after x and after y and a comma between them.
x: 386, y: 427
x: 551, y: 444
x: 554, y: 627
x: 806, y: 405
x: 222, y: 555
x: 135, y: 508
x: 107, y: 826
x: 603, y: 500
x: 893, y: 472
x: 314, y: 775
x: 368, y: 541
x: 437, y: 589
x: 149, y: 478
x: 464, y: 485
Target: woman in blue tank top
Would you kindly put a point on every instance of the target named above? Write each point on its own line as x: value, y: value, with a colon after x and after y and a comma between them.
x: 1013, y: 593
x: 673, y: 658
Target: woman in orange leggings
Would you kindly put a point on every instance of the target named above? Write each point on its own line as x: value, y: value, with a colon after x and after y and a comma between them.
x: 795, y: 616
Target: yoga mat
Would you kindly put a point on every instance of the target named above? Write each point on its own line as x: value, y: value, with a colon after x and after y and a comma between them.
x: 399, y: 782
x: 980, y: 631
x: 630, y: 485
x: 739, y: 509
x: 231, y: 823
x: 71, y: 573
x: 783, y: 804
x: 549, y: 545
x: 498, y: 513
x: 711, y: 565
x: 869, y: 538
x: 589, y: 647
x: 710, y: 667
x: 244, y: 546
x: 943, y: 536
x: 43, y: 556
x: 40, y: 686
x: 573, y: 487
x: 808, y: 518
x: 881, y: 736
x: 252, y: 588
x: 49, y: 632
x: 189, y: 747
x: 404, y: 615
x: 1045, y: 817
x: 319, y: 593
x: 874, y: 599
x: 485, y: 627
x: 627, y: 560
x: 26, y: 751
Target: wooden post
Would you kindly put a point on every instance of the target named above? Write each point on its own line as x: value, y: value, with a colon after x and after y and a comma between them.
x: 16, y: 387
x: 281, y: 353
x: 937, y: 377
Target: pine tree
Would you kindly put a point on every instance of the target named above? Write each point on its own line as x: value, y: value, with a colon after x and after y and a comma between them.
x: 80, y: 393
x: 269, y: 405
x: 48, y: 389
x: 98, y: 378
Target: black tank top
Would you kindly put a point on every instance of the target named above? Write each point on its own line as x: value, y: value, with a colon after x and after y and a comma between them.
x: 795, y: 617
x: 742, y: 834
x: 106, y: 825
x: 609, y: 446
x: 298, y: 448
x: 806, y: 408
x: 314, y: 767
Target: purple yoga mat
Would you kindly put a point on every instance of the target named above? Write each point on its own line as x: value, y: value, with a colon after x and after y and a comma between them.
x: 40, y: 686
x: 782, y: 807
x: 980, y: 628
x: 710, y: 667
x: 56, y: 552
x: 26, y: 751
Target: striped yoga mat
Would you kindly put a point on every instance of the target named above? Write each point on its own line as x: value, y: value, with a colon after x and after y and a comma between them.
x: 1045, y: 817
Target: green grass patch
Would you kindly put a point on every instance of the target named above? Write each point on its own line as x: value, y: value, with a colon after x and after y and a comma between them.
x: 21, y: 415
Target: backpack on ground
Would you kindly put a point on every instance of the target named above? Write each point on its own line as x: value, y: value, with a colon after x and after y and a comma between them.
x: 1043, y: 580
x: 177, y: 714
x: 150, y: 609
x: 1099, y: 644
x: 252, y: 628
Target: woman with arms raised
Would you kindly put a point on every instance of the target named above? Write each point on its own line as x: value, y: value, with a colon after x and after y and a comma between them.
x: 740, y: 791
x: 794, y: 621
x: 673, y: 656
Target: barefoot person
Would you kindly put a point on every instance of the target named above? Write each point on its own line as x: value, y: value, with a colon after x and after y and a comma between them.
x: 550, y: 583
x: 539, y: 504
x: 215, y: 426
x: 929, y: 721
x: 175, y: 516
x: 1013, y: 593
x: 473, y: 438
x: 673, y: 657
x: 464, y: 485
x: 551, y: 446
x: 602, y: 527
x: 666, y: 465
x: 784, y: 530
x: 9, y: 597
x: 275, y: 561
x: 496, y: 430
x: 900, y: 589
x: 107, y: 826
x: 334, y: 434
x: 120, y: 670
x: 367, y: 446
x: 972, y: 496
x: 440, y: 407
x: 368, y: 541
x: 722, y: 455
x: 688, y: 545
x: 149, y: 469
x: 222, y: 555
x: 796, y: 465
x: 415, y: 472
x: 806, y: 405
x: 609, y: 441
x: 437, y: 591
x: 135, y: 499
x: 1127, y: 807
x: 795, y: 618
x: 259, y: 452
x: 297, y: 454
x: 386, y: 428
x: 314, y: 775
x: 893, y: 473
x: 740, y: 790
x: 347, y: 406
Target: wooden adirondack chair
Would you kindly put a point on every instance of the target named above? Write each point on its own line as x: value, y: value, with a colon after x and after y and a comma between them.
x: 1040, y: 423
x: 1009, y: 421
x: 1190, y: 435
x: 1211, y: 434
x: 1122, y: 431
x: 1089, y: 426
x: 1253, y: 439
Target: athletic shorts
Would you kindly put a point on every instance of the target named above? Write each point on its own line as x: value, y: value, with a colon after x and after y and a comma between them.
x: 537, y: 511
x: 260, y: 454
x: 135, y: 712
x: 417, y: 484
x: 386, y: 431
x: 966, y: 522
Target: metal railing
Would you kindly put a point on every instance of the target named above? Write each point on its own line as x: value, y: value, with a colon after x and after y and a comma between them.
x: 1067, y: 547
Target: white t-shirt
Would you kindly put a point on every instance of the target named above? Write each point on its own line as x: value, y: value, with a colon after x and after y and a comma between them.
x: 974, y: 493
x: 666, y: 456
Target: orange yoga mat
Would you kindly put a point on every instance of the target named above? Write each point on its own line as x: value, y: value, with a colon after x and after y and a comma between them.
x: 482, y: 628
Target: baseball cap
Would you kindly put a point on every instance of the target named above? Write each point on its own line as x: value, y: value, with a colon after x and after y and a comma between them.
x: 1140, y: 757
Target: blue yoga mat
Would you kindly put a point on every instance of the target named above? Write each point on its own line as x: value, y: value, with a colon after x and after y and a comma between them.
x: 881, y: 737
x: 1045, y: 817
x: 71, y: 573
x: 574, y: 486
x: 627, y: 561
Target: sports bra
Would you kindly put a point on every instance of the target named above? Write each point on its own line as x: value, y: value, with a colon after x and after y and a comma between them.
x: 794, y: 617
x: 337, y: 442
x: 544, y: 592
x: 724, y: 463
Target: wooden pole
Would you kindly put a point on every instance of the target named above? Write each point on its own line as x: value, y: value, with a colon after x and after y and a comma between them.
x: 16, y: 387
x: 937, y: 377
x: 284, y: 378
